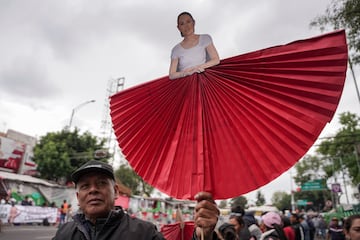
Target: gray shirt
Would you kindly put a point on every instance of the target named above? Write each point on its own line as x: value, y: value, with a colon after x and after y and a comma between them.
x: 190, y: 57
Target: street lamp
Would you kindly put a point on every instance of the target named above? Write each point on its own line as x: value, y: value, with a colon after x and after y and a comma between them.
x: 76, y: 108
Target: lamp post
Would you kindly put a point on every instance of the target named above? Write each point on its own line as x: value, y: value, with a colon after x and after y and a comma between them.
x: 76, y: 108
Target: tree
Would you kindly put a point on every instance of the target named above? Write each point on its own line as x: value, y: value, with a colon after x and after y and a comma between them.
x: 130, y: 179
x: 239, y: 201
x: 281, y: 200
x: 343, y: 14
x: 58, y: 154
x: 308, y: 169
x: 260, y: 199
x: 223, y: 204
x: 342, y: 151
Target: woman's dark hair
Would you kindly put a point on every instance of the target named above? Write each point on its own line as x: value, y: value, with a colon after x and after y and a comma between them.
x: 238, y: 218
x: 227, y: 231
x: 184, y: 13
x: 286, y: 221
x: 280, y: 231
x: 238, y: 209
x: 349, y: 221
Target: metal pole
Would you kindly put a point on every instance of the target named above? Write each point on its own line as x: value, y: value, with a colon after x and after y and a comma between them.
x: 292, y: 193
x: 76, y: 108
x: 356, y: 156
x: 353, y: 75
x: 343, y: 175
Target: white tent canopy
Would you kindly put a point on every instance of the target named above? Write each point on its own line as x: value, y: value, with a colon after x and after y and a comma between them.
x: 25, y: 179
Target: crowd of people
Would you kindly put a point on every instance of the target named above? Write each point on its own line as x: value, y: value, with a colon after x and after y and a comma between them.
x: 294, y: 226
x: 96, y: 191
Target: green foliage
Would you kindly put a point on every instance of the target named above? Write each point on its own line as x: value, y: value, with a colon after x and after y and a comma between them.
x: 337, y: 155
x: 318, y: 199
x: 341, y: 151
x: 260, y: 199
x: 58, y: 154
x: 223, y: 204
x: 130, y: 179
x: 309, y: 168
x: 239, y: 201
x: 343, y: 14
x: 281, y: 200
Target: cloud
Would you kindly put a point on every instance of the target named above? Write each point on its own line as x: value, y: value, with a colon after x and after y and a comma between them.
x: 26, y: 79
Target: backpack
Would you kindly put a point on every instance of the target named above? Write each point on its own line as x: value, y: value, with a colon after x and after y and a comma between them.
x: 272, y: 236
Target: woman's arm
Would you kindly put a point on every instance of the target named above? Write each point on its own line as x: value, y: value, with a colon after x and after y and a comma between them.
x: 173, y: 74
x: 214, y: 60
x: 214, y: 57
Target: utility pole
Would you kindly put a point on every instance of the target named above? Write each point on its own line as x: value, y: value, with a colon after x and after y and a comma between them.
x: 353, y: 75
x: 292, y: 193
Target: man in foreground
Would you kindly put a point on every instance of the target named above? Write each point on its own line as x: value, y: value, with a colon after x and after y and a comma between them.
x: 96, y: 191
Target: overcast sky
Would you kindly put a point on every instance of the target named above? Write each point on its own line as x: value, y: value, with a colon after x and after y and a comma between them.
x: 56, y: 55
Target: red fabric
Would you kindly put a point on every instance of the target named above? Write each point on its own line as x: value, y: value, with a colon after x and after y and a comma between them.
x: 238, y: 125
x: 173, y: 231
x: 289, y: 233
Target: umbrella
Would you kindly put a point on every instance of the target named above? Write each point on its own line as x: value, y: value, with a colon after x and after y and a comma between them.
x: 236, y: 126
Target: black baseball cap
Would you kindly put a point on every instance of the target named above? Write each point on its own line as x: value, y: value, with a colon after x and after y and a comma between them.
x: 93, y: 166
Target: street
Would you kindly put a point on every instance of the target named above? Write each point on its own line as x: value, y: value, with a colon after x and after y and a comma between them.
x: 28, y: 232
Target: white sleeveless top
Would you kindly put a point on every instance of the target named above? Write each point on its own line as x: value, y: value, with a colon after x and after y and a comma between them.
x: 190, y: 57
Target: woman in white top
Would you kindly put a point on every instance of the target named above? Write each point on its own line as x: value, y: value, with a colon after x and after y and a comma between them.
x: 194, y: 53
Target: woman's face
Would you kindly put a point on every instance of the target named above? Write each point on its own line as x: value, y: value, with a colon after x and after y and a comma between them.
x: 186, y: 25
x: 354, y: 231
x: 236, y: 224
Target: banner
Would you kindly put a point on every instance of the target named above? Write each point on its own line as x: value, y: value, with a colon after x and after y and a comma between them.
x: 29, y: 214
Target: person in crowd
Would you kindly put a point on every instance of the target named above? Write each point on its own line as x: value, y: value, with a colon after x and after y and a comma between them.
x: 227, y: 232
x: 25, y: 201
x: 288, y: 229
x: 236, y: 218
x: 252, y: 224
x: 321, y: 227
x: 272, y: 224
x: 14, y: 212
x: 352, y: 227
x: 53, y: 205
x: 305, y: 226
x: 298, y: 229
x: 194, y: 53
x: 69, y: 213
x: 310, y: 219
x: 63, y: 212
x: 96, y: 191
x: 335, y: 231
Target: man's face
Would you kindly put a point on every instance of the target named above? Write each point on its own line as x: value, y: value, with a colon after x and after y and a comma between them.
x: 96, y: 194
x: 292, y: 219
